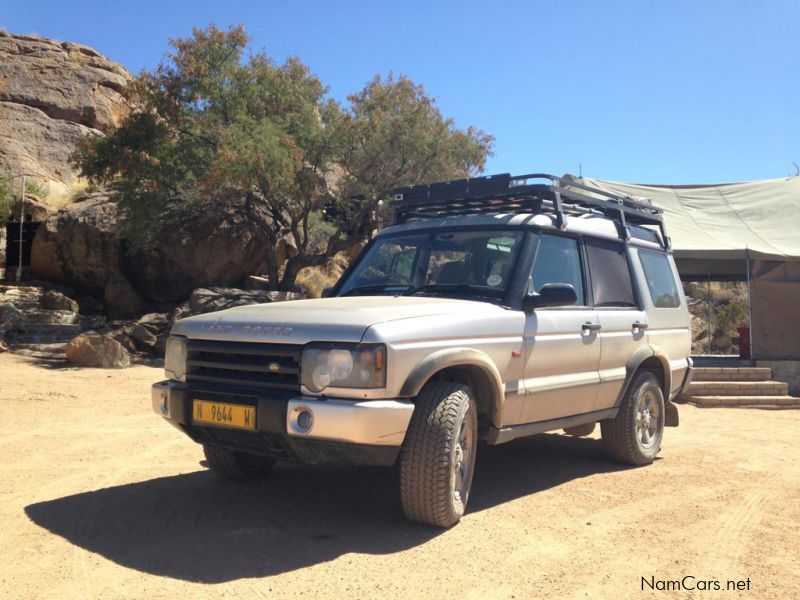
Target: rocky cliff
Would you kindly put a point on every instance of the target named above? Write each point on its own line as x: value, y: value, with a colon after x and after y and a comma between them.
x: 52, y: 94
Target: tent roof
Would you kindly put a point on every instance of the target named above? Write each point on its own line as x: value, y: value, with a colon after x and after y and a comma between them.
x: 728, y: 220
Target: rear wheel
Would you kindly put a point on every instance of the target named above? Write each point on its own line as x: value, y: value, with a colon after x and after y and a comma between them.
x: 438, y: 457
x: 634, y: 436
x: 236, y: 465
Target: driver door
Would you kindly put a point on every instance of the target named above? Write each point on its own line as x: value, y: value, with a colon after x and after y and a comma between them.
x: 562, y: 346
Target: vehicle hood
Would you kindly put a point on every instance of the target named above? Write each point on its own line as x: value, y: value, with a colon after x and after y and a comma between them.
x: 342, y: 319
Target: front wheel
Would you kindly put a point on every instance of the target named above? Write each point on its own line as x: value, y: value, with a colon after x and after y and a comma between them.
x: 634, y: 435
x: 438, y: 457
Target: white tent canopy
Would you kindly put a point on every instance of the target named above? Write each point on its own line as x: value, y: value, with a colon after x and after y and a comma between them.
x: 759, y: 219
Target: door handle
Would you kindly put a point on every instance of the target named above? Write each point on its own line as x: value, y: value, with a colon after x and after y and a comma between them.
x: 591, y: 326
x: 638, y: 325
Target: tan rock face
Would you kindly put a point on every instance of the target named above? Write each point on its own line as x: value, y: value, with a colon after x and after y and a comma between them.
x: 52, y: 95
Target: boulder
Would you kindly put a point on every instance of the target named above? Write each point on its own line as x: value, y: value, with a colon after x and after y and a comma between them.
x: 143, y: 337
x: 257, y: 282
x: 92, y: 322
x: 80, y: 245
x: 721, y: 341
x: 122, y: 299
x: 95, y: 350
x: 55, y: 300
x: 212, y: 299
x: 206, y: 300
x: 181, y: 311
x: 52, y: 95
x: 218, y: 244
x: 121, y: 331
x: 11, y: 320
x: 149, y: 331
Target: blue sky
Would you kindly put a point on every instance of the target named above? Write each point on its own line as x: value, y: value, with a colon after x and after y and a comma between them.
x: 643, y: 91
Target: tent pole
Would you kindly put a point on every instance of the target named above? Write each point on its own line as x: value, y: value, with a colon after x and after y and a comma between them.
x: 708, y: 314
x: 750, y: 307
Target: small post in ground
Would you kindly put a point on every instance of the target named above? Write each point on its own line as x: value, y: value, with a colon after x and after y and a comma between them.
x: 21, y: 229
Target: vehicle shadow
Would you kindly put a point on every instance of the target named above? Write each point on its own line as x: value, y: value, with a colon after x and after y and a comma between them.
x: 197, y: 527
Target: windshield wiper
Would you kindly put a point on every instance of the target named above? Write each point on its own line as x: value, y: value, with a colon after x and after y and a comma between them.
x: 362, y: 289
x: 443, y: 287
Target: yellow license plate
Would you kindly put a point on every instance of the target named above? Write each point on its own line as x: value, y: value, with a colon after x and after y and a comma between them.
x: 224, y: 415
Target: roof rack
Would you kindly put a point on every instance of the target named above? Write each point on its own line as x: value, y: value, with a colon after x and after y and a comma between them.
x: 505, y: 193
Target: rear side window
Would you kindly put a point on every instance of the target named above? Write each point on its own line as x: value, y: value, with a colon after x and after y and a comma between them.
x: 660, y: 279
x: 558, y: 260
x: 611, y: 277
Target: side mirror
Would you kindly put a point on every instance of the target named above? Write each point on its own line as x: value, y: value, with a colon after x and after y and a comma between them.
x: 326, y: 292
x: 551, y: 294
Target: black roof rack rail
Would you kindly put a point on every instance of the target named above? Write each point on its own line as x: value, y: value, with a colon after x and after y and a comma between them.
x: 505, y: 193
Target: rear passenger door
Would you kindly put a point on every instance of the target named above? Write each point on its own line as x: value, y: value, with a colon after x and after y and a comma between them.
x: 623, y: 323
x: 562, y: 351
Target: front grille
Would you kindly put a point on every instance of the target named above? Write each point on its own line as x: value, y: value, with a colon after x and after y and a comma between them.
x: 269, y: 366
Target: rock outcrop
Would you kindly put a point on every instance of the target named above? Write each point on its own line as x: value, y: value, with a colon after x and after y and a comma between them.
x: 82, y: 245
x: 52, y: 95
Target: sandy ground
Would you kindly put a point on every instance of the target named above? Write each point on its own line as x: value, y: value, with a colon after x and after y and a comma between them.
x: 99, y: 498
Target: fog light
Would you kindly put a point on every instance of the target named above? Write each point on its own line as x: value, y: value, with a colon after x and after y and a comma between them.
x: 305, y: 420
x: 301, y: 419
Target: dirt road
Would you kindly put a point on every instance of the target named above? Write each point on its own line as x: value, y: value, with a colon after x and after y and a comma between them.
x: 101, y: 499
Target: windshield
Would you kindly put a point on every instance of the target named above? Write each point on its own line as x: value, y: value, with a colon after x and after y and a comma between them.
x: 461, y: 264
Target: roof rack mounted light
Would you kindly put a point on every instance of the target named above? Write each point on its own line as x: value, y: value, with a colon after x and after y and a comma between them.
x: 534, y: 193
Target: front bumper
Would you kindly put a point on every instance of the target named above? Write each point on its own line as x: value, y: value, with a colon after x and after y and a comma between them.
x: 341, y: 431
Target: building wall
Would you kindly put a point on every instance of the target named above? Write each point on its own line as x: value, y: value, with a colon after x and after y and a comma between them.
x: 784, y: 370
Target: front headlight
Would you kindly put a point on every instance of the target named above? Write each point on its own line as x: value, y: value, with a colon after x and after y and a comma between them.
x: 359, y: 366
x: 175, y: 359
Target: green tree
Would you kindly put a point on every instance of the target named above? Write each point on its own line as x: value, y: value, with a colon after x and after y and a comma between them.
x: 212, y: 122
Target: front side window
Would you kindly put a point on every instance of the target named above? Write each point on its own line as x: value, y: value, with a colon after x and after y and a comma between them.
x: 660, y: 279
x: 463, y: 264
x: 611, y: 277
x: 558, y: 260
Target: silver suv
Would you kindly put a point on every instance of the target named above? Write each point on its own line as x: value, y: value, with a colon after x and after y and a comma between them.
x: 496, y: 308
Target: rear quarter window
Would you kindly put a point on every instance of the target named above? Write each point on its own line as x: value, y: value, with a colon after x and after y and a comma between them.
x: 660, y: 279
x: 611, y: 278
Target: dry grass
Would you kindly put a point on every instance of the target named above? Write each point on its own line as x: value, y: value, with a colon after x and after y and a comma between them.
x: 315, y: 279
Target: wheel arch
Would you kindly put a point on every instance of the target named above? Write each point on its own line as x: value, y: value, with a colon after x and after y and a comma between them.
x: 652, y: 359
x: 465, y: 365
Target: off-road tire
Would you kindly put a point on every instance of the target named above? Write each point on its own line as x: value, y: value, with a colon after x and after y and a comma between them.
x: 429, y: 456
x: 236, y: 465
x: 621, y: 434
